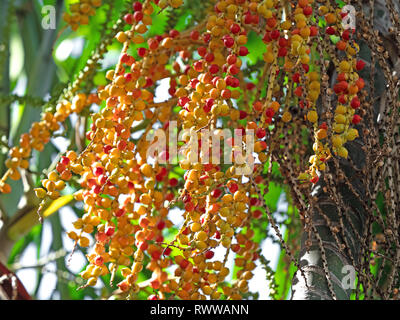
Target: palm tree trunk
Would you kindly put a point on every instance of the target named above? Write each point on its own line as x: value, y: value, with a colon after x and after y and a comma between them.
x: 331, y: 255
x: 341, y: 219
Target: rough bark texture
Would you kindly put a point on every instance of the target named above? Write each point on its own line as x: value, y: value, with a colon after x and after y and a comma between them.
x: 336, y: 258
x: 323, y: 264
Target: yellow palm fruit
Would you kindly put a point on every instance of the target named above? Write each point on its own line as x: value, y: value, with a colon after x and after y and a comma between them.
x: 337, y: 141
x: 341, y: 109
x: 313, y: 76
x: 83, y: 242
x: 268, y: 57
x: 315, y: 85
x: 352, y: 134
x: 195, y: 227
x: 40, y: 193
x: 340, y: 118
x: 322, y: 10
x: 338, y: 127
x: 121, y: 36
x: 146, y: 170
x: 286, y: 25
x: 344, y: 66
x: 287, y: 116
x: 342, y: 152
x: 312, y: 116
x: 313, y: 95
x: 321, y: 134
x: 269, y: 3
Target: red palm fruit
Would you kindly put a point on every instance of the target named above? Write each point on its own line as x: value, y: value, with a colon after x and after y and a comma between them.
x: 360, y: 83
x: 346, y: 35
x: 198, y: 66
x: 206, y: 37
x: 323, y: 125
x: 330, y: 30
x: 342, y: 99
x: 233, y: 187
x: 120, y: 212
x: 209, y: 254
x: 255, y: 19
x: 216, y: 193
x: 271, y: 22
x: 313, y: 31
x: 141, y: 52
x: 270, y: 112
x: 355, y: 103
x: 307, y: 10
x: 235, y: 28
x: 356, y: 119
x: 174, y: 33
x: 275, y: 34
x: 282, y: 52
x: 250, y: 86
x: 233, y: 69
x: 298, y: 91
x: 314, y: 180
x: 65, y: 160
x: 267, y: 37
x: 226, y: 94
x: 247, y: 18
x: 260, y: 133
x: 161, y: 225
x: 257, y: 214
x: 99, y: 260
x: 341, y: 45
x: 184, y: 264
x: 342, y: 77
x: 128, y: 18
x: 242, y: 115
x: 109, y: 231
x: 243, y: 51
x: 229, y: 42
x: 202, y: 51
x: 231, y: 59
x: 213, y: 69
x: 209, y: 57
x: 283, y: 42
x: 360, y: 65
x: 137, y: 6
x: 189, y: 206
x: 194, y: 35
